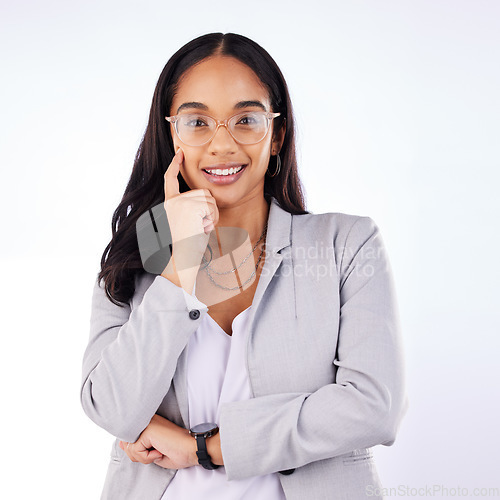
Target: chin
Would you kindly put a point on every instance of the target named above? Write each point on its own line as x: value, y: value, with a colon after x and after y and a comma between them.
x: 227, y: 199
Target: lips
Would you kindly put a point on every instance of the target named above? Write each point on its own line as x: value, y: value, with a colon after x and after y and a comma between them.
x: 223, y: 174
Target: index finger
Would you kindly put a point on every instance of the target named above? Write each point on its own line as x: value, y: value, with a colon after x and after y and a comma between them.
x: 171, y: 181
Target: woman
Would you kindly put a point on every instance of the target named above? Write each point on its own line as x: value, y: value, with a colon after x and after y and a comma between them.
x: 264, y: 358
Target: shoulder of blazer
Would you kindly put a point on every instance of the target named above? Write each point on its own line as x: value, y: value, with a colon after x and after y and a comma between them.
x: 330, y: 235
x: 317, y: 226
x: 334, y: 227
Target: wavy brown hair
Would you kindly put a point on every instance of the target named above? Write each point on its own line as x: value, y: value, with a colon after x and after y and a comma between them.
x: 121, y: 262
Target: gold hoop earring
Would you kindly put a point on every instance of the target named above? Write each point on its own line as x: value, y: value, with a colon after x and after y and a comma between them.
x: 278, y: 162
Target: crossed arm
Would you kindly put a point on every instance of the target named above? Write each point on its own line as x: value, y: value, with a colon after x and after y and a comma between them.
x: 169, y: 446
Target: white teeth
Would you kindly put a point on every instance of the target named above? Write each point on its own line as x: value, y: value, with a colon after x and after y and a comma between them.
x: 226, y: 171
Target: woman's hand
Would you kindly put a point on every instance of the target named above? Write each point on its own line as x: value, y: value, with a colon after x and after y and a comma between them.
x: 165, y: 444
x: 191, y: 217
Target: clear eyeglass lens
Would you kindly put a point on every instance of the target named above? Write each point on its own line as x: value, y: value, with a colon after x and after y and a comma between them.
x: 197, y: 129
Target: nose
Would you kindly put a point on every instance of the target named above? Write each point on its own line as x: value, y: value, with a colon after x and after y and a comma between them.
x: 222, y: 142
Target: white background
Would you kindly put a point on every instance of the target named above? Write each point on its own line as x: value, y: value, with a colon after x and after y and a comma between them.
x: 397, y: 106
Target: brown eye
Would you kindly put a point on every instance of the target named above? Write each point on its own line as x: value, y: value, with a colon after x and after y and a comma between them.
x: 194, y: 122
x: 250, y: 119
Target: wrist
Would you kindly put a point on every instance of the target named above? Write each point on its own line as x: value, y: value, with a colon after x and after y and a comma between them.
x: 182, y: 276
x: 193, y: 448
x: 214, y: 449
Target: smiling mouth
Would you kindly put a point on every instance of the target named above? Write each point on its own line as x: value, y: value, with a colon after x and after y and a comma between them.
x: 222, y: 172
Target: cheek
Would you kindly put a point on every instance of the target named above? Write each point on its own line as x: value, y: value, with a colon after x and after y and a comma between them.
x: 191, y: 160
x: 261, y: 156
x: 190, y: 166
x: 186, y: 171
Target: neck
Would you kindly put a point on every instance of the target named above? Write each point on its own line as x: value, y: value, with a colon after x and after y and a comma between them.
x: 251, y: 215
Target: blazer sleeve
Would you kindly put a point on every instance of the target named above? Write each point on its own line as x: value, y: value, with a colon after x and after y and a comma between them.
x: 367, y: 402
x: 132, y: 355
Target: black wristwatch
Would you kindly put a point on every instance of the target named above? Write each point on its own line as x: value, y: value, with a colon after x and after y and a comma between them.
x: 200, y: 432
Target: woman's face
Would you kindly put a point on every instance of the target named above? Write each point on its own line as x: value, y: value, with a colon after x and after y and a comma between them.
x: 214, y: 87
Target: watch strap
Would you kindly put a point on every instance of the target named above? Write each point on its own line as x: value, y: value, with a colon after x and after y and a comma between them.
x: 202, y: 453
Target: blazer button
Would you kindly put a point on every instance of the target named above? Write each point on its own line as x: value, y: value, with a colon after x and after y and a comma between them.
x: 194, y: 314
x: 286, y: 472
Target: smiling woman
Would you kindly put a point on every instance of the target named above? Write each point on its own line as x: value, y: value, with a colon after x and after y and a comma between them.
x: 232, y: 373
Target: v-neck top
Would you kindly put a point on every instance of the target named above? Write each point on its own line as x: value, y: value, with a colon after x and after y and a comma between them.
x: 217, y: 373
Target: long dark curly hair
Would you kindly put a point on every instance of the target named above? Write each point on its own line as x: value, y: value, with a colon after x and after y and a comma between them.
x: 121, y: 262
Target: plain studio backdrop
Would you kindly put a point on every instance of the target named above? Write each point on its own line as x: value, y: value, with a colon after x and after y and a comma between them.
x: 397, y: 107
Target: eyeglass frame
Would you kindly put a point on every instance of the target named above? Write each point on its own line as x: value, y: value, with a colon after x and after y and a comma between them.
x: 268, y: 114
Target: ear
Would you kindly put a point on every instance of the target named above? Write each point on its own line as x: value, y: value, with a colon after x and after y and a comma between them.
x: 279, y: 137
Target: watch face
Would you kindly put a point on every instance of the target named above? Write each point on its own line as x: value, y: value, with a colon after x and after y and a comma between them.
x: 205, y: 427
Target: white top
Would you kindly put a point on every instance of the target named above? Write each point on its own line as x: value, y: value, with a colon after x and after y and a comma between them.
x: 216, y: 373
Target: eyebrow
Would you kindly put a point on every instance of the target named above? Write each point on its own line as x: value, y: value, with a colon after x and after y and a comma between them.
x: 238, y: 105
x: 193, y: 104
x: 247, y: 104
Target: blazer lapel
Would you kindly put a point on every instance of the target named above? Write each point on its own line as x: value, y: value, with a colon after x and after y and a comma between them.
x: 278, y: 237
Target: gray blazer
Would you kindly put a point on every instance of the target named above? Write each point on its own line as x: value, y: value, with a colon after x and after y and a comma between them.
x: 324, y: 359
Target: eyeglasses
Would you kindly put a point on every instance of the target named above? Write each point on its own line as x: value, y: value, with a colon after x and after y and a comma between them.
x: 246, y: 128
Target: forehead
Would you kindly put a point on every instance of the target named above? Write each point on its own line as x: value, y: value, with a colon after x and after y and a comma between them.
x: 220, y: 82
